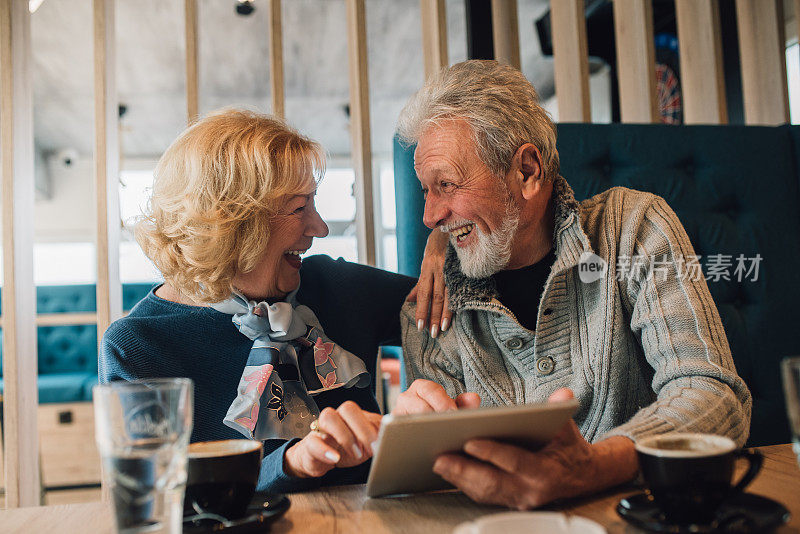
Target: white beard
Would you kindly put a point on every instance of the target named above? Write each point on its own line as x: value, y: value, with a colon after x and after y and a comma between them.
x: 491, y: 252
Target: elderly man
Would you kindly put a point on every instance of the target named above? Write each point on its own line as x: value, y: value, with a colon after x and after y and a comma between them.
x: 541, y: 311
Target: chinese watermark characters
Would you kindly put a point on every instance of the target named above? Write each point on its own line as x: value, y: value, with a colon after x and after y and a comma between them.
x: 712, y: 268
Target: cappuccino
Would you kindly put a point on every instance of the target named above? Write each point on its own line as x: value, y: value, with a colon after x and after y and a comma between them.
x: 689, y: 475
x: 686, y: 445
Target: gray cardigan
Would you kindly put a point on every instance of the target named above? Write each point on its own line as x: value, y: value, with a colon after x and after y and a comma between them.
x: 644, y: 353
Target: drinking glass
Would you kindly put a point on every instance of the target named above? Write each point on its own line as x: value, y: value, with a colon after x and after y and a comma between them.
x: 791, y: 386
x: 142, y: 430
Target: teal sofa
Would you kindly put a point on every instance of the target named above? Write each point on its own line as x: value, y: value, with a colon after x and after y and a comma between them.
x: 735, y: 188
x: 68, y: 354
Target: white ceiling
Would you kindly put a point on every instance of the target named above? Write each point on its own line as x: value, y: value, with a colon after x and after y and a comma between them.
x: 234, y: 67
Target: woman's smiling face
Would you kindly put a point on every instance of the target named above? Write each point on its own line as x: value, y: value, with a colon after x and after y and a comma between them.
x: 292, y: 231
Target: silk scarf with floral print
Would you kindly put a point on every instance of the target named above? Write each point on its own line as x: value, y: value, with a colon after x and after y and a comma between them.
x: 291, y: 361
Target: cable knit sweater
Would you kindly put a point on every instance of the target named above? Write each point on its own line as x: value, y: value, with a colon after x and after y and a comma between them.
x: 643, y: 350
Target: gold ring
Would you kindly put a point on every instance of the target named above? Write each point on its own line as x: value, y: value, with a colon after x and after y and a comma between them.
x: 314, y: 425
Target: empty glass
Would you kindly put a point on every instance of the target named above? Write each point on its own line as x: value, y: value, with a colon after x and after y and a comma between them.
x: 142, y: 430
x: 791, y: 386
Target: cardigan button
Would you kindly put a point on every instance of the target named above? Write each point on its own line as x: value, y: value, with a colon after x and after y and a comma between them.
x: 514, y: 343
x: 545, y: 365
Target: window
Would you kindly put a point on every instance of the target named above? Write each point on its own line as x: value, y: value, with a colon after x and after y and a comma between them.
x: 336, y: 205
x: 134, y: 192
x: 793, y: 77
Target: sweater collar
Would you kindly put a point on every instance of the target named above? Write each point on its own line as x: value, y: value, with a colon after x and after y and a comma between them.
x: 568, y: 237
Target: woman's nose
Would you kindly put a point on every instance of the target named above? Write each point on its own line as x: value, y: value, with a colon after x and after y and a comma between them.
x: 316, y: 226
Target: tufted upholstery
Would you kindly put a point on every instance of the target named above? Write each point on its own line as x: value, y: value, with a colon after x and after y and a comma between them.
x: 61, y: 299
x: 68, y: 354
x: 735, y: 188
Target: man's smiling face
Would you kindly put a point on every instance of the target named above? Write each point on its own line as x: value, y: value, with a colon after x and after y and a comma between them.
x: 464, y: 198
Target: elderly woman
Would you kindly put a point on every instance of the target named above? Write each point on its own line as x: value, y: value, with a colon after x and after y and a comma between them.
x: 232, y: 211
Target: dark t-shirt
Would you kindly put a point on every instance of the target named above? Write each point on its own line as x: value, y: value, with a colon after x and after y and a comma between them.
x: 524, y: 303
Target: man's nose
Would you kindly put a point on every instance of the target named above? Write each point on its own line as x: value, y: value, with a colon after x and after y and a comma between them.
x: 436, y: 212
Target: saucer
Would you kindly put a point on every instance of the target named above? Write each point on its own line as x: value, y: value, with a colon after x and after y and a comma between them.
x: 263, y: 510
x: 525, y: 522
x: 746, y: 512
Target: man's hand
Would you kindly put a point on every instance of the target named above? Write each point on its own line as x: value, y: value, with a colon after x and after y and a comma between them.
x: 344, y: 439
x: 427, y: 396
x: 430, y: 293
x: 568, y: 466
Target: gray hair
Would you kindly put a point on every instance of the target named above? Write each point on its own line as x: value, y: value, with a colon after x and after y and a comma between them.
x: 497, y: 101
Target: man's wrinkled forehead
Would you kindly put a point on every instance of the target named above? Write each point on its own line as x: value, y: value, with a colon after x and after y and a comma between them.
x: 447, y: 142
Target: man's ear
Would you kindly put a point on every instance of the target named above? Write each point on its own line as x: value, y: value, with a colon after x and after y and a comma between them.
x: 528, y: 162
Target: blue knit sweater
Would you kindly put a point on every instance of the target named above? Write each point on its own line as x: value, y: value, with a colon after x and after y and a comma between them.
x: 358, y: 308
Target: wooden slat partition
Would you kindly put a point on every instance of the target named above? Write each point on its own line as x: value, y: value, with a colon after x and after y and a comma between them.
x: 505, y: 32
x: 106, y: 159
x: 360, y: 129
x: 796, y: 5
x: 66, y: 319
x: 761, y: 47
x: 434, y: 36
x: 192, y: 77
x: 20, y: 398
x: 702, y: 76
x: 633, y: 27
x: 276, y: 57
x: 570, y: 52
x: 62, y: 319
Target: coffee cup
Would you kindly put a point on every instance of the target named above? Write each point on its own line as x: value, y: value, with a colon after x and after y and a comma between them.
x: 221, y: 477
x: 690, y: 475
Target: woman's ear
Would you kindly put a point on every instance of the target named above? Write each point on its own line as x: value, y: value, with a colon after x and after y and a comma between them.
x: 528, y: 162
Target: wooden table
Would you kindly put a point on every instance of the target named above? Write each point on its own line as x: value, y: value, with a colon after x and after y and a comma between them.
x: 347, y: 509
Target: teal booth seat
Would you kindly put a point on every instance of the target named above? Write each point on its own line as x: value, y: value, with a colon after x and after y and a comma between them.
x: 68, y: 354
x: 735, y: 188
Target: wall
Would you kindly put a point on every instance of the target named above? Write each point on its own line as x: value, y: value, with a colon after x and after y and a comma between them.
x: 69, y: 214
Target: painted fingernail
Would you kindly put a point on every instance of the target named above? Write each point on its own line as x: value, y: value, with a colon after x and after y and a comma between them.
x: 434, y: 330
x: 356, y: 451
x: 374, y: 446
x: 445, y: 324
x: 332, y: 456
x: 420, y: 324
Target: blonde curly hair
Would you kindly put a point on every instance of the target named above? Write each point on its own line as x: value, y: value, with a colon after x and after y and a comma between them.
x: 215, y: 192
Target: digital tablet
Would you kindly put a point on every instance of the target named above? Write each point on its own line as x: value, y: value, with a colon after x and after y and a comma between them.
x: 409, y: 444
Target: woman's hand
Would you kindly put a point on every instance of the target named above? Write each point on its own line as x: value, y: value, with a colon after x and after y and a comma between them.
x: 430, y: 293
x: 344, y: 439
